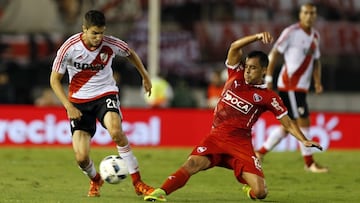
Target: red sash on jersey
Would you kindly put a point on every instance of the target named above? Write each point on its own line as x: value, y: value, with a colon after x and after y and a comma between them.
x: 290, y: 83
x: 84, y: 76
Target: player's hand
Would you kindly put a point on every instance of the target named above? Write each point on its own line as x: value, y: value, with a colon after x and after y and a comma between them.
x: 147, y: 86
x: 318, y: 88
x: 312, y: 144
x: 73, y: 113
x: 265, y: 37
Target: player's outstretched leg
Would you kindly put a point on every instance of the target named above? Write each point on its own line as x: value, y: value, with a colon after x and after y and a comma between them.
x: 157, y: 195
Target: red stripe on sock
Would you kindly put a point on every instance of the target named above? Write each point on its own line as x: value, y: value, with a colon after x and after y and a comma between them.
x: 308, y: 160
x: 262, y: 150
x: 96, y: 178
x: 135, y: 177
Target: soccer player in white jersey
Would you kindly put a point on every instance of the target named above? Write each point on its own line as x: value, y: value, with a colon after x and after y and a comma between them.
x: 87, y: 58
x: 299, y: 45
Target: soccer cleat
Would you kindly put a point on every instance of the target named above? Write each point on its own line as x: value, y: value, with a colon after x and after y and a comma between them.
x: 246, y: 189
x: 316, y: 168
x: 156, y: 195
x: 142, y: 189
x: 94, y: 190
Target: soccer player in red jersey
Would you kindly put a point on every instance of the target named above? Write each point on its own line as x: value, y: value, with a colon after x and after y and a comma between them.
x: 93, y: 94
x: 300, y: 45
x: 229, y: 144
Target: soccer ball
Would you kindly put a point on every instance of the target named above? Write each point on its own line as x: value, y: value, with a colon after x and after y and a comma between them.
x: 113, y: 169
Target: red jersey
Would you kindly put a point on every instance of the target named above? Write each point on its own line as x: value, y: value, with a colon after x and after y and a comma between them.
x: 241, y: 104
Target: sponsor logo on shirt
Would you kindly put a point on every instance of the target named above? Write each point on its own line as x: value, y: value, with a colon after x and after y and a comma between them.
x: 257, y: 163
x: 237, y: 84
x: 237, y: 102
x: 276, y: 104
x: 86, y: 66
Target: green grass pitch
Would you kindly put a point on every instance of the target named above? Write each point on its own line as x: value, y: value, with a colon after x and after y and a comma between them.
x: 50, y: 175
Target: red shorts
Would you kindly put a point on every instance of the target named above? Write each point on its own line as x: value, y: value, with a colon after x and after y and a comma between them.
x: 232, y: 152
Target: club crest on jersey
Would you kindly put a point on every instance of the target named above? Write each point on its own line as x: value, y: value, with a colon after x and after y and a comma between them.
x: 236, y: 102
x: 257, y: 97
x: 104, y: 57
x: 201, y: 149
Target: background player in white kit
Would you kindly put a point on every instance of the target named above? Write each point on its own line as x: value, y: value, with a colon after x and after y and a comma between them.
x: 299, y: 44
x: 87, y: 57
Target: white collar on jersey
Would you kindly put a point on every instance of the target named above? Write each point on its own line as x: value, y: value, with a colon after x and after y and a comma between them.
x: 261, y: 86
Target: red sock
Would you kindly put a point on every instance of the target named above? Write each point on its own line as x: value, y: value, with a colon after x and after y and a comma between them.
x: 135, y: 177
x: 96, y: 177
x: 262, y: 150
x: 308, y: 160
x: 175, y: 181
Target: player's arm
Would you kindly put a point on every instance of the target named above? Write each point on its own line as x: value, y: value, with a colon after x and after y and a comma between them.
x: 55, y: 83
x: 135, y: 60
x: 274, y: 56
x: 291, y: 127
x: 317, y: 76
x: 235, y: 50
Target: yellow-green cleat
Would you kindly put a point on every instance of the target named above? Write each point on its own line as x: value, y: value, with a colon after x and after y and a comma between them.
x: 157, y: 195
x: 246, y: 189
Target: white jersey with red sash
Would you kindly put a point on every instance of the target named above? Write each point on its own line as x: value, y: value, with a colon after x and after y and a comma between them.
x: 90, y: 71
x: 299, y: 49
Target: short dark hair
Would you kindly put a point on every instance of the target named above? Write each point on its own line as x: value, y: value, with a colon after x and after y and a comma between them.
x: 308, y: 4
x: 94, y: 18
x: 263, y: 58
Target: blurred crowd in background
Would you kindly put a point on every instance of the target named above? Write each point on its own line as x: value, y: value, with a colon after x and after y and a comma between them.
x: 194, y: 38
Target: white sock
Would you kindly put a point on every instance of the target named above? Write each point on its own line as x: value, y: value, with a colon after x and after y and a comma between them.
x: 305, y: 151
x: 274, y: 138
x: 89, y: 170
x: 129, y: 158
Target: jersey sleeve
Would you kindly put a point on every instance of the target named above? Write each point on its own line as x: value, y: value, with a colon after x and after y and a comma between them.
x: 236, y: 70
x: 276, y: 105
x: 121, y: 47
x: 232, y: 67
x: 283, y: 41
x: 62, y: 59
x: 317, y: 50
